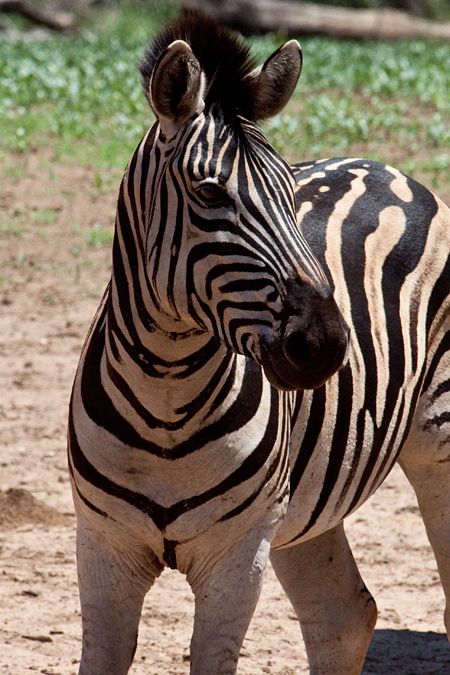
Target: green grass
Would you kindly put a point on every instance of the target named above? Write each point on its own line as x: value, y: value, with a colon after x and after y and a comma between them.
x: 387, y: 101
x: 82, y: 98
x: 80, y: 95
x: 47, y: 216
x: 99, y: 236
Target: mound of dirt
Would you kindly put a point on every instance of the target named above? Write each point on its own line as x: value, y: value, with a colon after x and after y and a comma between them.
x: 19, y: 507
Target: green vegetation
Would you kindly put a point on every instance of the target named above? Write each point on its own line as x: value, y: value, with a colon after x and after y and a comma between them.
x: 81, y: 97
x: 390, y: 101
x: 98, y: 236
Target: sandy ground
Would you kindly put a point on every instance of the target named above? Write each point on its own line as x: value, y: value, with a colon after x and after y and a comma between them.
x: 54, y: 263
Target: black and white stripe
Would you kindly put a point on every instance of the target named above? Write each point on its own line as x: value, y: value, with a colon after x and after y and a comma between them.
x: 383, y: 241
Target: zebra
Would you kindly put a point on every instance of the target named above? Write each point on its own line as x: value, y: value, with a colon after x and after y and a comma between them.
x: 220, y: 412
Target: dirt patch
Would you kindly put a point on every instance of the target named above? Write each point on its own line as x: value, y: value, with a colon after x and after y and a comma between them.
x: 19, y: 507
x: 55, y: 231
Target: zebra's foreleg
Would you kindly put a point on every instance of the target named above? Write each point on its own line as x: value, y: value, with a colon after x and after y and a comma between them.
x: 226, y: 593
x: 112, y: 587
x: 337, y: 614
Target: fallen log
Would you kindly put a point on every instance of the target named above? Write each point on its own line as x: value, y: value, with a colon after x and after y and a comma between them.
x: 302, y: 18
x: 59, y: 21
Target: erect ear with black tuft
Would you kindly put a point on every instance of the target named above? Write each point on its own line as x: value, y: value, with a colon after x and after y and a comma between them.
x: 273, y: 83
x: 176, y: 87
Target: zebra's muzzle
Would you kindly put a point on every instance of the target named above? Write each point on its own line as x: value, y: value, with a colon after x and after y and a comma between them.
x: 309, y: 349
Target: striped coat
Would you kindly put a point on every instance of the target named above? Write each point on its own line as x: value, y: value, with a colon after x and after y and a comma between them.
x: 383, y: 241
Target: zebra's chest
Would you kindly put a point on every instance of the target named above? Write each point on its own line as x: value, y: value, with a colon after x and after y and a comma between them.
x: 219, y: 479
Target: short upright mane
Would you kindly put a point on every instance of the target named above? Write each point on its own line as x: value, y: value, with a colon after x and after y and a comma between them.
x: 223, y: 56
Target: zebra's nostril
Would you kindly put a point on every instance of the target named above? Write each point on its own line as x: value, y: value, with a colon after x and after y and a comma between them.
x: 296, y: 349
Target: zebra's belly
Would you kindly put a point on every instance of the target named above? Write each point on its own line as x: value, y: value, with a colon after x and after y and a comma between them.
x: 319, y: 503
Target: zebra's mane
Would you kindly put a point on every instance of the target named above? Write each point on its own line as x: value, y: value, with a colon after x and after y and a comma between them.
x: 223, y: 56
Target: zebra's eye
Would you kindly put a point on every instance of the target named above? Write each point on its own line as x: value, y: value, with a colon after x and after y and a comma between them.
x: 211, y: 193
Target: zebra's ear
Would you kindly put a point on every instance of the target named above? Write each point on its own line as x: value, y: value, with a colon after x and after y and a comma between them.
x: 176, y: 87
x: 273, y: 83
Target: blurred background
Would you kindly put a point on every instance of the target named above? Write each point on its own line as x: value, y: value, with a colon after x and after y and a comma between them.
x: 77, y: 89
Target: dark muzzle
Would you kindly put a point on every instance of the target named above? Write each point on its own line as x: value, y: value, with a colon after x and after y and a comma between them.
x: 311, y: 345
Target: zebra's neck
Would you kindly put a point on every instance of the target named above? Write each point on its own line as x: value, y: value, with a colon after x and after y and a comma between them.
x: 168, y: 384
x: 168, y: 378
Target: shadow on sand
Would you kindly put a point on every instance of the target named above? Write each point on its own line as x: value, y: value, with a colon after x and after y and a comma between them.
x: 408, y: 652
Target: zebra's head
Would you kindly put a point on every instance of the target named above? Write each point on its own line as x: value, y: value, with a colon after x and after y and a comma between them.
x: 223, y: 250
